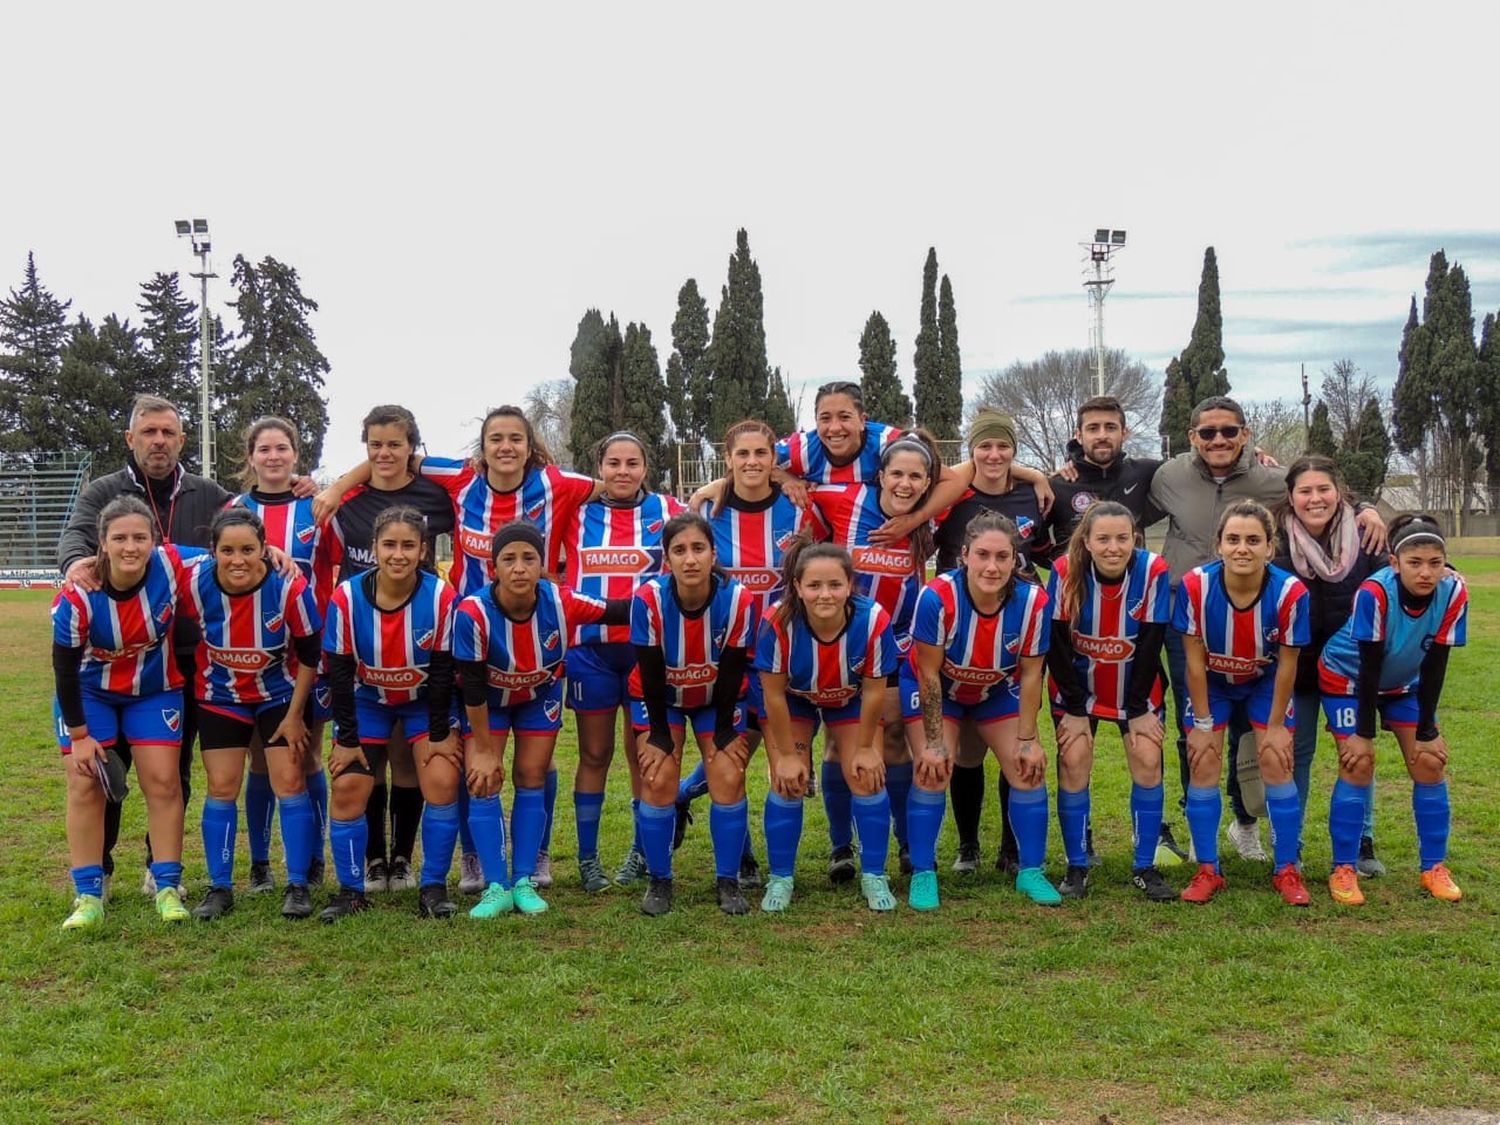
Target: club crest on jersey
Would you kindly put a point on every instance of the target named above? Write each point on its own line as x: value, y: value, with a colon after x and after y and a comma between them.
x: 719, y: 638
x: 1013, y: 645
x: 654, y: 526
x: 552, y: 709
x: 273, y: 623
x: 323, y: 695
x: 172, y: 717
x: 424, y: 642
x: 1082, y: 500
x: 164, y: 614
x: 305, y: 534
x: 1273, y: 634
x: 785, y: 537
x: 535, y: 511
x: 857, y: 666
x: 1025, y: 525
x: 739, y: 716
x: 551, y: 640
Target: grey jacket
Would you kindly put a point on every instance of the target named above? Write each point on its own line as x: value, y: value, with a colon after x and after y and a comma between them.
x: 195, y: 502
x: 1186, y: 494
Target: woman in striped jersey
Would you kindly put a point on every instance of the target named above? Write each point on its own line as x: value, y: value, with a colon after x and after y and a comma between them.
x: 824, y: 656
x: 613, y: 544
x: 510, y: 476
x: 980, y: 635
x: 1243, y: 621
x: 1111, y: 603
x: 255, y: 669
x: 387, y: 641
x: 272, y: 450
x: 752, y: 526
x: 691, y: 632
x: 509, y: 642
x: 116, y: 677
x: 891, y: 574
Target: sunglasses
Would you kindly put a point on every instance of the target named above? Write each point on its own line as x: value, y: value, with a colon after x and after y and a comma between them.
x: 1208, y: 433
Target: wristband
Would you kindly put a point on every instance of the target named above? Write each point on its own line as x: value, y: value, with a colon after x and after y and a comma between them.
x: 1205, y: 726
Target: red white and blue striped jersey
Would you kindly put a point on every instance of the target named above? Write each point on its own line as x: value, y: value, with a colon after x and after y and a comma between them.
x: 751, y: 537
x: 547, y: 498
x: 693, y: 642
x: 611, y: 551
x: 1242, y: 644
x: 1379, y: 616
x: 888, y: 573
x: 521, y: 657
x: 802, y: 454
x: 391, y: 647
x: 981, y: 652
x: 245, y: 655
x: 1104, y: 628
x: 829, y: 673
x: 290, y: 527
x: 126, y: 640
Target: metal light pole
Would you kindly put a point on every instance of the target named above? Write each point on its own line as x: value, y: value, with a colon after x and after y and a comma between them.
x: 197, y: 231
x: 1106, y: 244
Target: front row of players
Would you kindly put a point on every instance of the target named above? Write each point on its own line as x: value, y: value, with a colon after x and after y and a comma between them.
x: 402, y: 647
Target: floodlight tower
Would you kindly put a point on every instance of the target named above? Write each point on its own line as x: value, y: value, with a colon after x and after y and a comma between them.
x: 197, y: 231
x: 1098, y: 277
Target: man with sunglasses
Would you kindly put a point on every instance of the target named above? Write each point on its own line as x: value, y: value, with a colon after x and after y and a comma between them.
x: 1190, y: 491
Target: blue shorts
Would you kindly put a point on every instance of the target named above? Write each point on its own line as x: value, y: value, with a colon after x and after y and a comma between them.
x: 145, y: 720
x: 377, y: 720
x: 321, y: 703
x: 599, y: 677
x: 1003, y: 702
x: 703, y: 719
x: 1342, y: 712
x: 1253, y: 698
x: 804, y: 710
x: 541, y: 715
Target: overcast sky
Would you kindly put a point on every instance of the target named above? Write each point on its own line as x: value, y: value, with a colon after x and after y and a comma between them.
x: 457, y: 184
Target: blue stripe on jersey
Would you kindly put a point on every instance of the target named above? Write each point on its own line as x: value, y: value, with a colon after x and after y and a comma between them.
x: 522, y: 657
x: 392, y: 649
x: 1242, y: 645
x: 980, y: 652
x: 829, y: 673
x: 244, y: 656
x: 693, y: 644
x: 611, y: 551
x: 802, y: 454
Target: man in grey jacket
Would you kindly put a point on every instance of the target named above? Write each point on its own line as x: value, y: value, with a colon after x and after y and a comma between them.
x: 183, y: 506
x: 1190, y: 491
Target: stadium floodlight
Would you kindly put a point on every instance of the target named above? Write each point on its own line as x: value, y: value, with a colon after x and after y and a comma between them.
x: 197, y: 232
x: 1098, y: 278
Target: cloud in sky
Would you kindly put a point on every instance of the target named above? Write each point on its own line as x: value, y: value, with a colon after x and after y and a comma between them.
x: 456, y: 185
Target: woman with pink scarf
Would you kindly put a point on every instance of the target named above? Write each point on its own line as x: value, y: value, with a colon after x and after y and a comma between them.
x: 1318, y: 541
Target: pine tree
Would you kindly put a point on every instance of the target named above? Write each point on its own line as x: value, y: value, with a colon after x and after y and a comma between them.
x: 945, y: 416
x: 169, y: 335
x: 687, y: 369
x: 277, y: 367
x: 927, y: 360
x: 643, y: 398
x: 779, y: 415
x: 1200, y: 371
x: 33, y: 330
x: 885, y: 398
x: 737, y: 354
x: 594, y: 398
x: 1320, y: 437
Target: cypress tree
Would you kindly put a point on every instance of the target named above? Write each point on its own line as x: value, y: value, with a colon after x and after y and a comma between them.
x: 1411, y: 399
x: 33, y: 330
x: 276, y: 368
x: 643, y: 401
x: 779, y: 414
x: 1489, y: 414
x: 593, y: 399
x: 687, y: 369
x: 1200, y: 371
x: 739, y: 374
x: 1320, y: 437
x: 948, y: 406
x: 927, y: 360
x: 885, y: 398
x: 1366, y: 456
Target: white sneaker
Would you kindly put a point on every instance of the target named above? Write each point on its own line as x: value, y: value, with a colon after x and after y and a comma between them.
x: 1246, y: 840
x: 470, y: 874
x: 402, y: 878
x: 148, y: 884
x: 542, y: 877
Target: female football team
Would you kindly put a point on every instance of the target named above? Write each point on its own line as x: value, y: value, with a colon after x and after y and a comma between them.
x: 794, y: 595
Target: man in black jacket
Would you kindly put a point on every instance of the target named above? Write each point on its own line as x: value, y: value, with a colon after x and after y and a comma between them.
x: 183, y: 505
x: 1104, y: 471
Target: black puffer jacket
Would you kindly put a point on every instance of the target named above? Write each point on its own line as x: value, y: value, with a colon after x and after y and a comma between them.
x: 1126, y: 481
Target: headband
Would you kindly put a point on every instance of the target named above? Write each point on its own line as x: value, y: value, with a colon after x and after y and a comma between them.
x: 517, y: 530
x: 906, y: 445
x: 1418, y: 531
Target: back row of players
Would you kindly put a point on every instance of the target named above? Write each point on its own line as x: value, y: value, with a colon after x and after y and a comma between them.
x: 768, y: 611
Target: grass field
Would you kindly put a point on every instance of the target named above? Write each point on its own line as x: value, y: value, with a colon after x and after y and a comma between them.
x: 990, y: 1010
